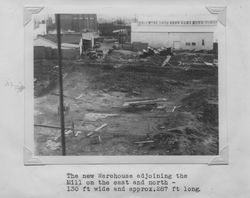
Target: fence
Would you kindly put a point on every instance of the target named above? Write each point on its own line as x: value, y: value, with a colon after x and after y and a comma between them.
x: 41, y: 52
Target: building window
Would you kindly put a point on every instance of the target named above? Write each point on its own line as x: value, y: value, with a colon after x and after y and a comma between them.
x: 203, y: 42
x: 193, y: 44
x: 187, y: 44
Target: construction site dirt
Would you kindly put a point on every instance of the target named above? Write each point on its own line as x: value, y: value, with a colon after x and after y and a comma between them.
x: 126, y: 105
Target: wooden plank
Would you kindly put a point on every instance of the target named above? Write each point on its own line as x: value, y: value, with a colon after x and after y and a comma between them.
x: 57, y: 127
x: 144, y: 102
x: 145, y: 142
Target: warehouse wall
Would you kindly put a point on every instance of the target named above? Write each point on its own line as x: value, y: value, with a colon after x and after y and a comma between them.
x: 167, y: 39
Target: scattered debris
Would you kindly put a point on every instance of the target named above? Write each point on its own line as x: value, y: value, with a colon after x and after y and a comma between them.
x: 165, y: 51
x: 100, y: 140
x: 96, y: 132
x: 97, y: 129
x: 215, y: 62
x: 52, y: 145
x: 95, y: 54
x: 100, y: 127
x: 160, y: 107
x: 121, y: 56
x: 138, y: 84
x: 136, y: 93
x: 175, y: 107
x: 162, y: 127
x: 68, y: 132
x: 155, y: 52
x: 145, y: 142
x: 77, y: 133
x: 179, y: 128
x: 139, y: 46
x: 78, y: 97
x: 117, y: 66
x: 193, y: 59
x: 143, y: 102
x: 208, y: 64
x: 92, y: 54
x: 57, y: 137
x: 110, y: 51
x: 89, y: 127
x: 175, y: 82
x: 95, y: 140
x: 166, y: 61
x: 97, y: 116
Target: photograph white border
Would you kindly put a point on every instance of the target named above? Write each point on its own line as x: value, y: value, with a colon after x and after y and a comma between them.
x: 29, y: 155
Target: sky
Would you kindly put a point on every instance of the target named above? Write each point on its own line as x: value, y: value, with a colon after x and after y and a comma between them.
x: 125, y: 11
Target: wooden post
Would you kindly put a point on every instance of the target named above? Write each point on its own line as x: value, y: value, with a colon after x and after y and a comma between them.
x: 59, y: 51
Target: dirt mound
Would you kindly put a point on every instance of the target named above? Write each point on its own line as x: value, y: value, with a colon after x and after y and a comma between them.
x: 187, y: 140
x: 129, y: 82
x: 191, y: 58
x: 198, y: 103
x: 176, y: 119
x: 211, y: 114
x: 166, y: 141
x: 195, y: 101
x: 121, y: 56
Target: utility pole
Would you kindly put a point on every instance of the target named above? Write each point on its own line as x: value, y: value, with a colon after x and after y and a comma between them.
x: 59, y: 57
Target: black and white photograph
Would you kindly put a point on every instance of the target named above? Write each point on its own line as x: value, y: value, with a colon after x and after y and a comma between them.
x: 126, y: 84
x: 130, y: 98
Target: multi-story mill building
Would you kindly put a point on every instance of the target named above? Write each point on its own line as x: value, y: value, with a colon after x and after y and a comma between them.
x: 79, y: 22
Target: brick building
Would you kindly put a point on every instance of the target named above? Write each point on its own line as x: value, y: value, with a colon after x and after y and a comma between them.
x: 79, y: 22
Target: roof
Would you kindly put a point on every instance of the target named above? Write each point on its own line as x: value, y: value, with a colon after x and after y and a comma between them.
x: 175, y: 23
x: 173, y: 17
x: 41, y: 41
x: 89, y: 35
x: 125, y: 31
x: 65, y: 38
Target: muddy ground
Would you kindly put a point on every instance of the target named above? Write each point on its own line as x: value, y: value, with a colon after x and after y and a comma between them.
x: 184, y: 122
